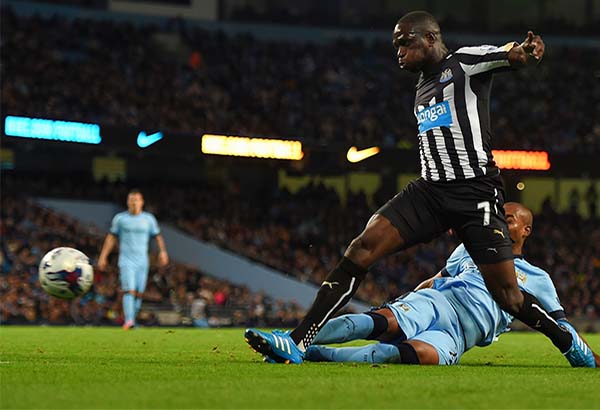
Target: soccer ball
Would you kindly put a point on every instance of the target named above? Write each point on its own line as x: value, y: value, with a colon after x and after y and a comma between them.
x: 66, y: 273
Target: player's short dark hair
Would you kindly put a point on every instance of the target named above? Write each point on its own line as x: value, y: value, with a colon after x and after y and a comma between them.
x: 134, y: 191
x: 421, y: 20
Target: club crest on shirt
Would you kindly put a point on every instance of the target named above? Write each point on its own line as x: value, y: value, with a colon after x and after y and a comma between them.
x: 446, y: 75
x: 521, y: 277
x: 404, y: 307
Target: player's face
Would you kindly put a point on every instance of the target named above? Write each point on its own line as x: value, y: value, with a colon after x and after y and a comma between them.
x: 411, y: 47
x: 135, y: 203
x: 517, y: 225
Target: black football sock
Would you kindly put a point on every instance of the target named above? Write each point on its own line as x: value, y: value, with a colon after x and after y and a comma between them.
x: 336, y: 290
x: 408, y: 354
x: 533, y: 315
x: 380, y: 325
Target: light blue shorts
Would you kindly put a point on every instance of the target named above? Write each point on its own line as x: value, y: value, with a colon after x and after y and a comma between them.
x: 133, y: 277
x: 427, y: 316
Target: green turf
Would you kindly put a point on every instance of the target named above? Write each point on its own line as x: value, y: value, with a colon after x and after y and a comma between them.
x: 51, y: 367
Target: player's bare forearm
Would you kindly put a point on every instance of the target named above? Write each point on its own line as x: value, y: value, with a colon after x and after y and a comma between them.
x: 529, y: 52
x: 161, y: 243
x: 163, y: 256
x: 107, y: 247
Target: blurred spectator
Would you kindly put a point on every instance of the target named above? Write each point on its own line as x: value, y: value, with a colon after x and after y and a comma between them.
x: 591, y: 197
x: 574, y: 198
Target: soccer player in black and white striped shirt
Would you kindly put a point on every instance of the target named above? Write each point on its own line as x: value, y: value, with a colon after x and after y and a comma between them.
x: 460, y: 189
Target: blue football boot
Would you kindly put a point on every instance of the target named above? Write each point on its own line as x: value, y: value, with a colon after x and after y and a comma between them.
x: 580, y: 354
x: 277, y: 345
x: 267, y: 359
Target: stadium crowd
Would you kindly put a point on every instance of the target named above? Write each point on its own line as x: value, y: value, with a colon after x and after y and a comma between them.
x: 344, y: 92
x: 28, y: 231
x: 304, y: 234
x: 368, y: 15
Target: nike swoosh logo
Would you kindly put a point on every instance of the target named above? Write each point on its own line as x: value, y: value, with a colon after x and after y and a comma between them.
x: 354, y: 155
x: 144, y: 140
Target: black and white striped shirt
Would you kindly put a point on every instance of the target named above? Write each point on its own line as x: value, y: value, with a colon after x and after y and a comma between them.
x: 452, y: 110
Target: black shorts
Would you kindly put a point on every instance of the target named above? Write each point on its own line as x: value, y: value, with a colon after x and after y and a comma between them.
x: 473, y: 208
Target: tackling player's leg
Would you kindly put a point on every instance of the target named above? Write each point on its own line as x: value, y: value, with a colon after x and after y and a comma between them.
x: 352, y: 327
x: 371, y: 326
x: 408, y: 328
x: 374, y: 353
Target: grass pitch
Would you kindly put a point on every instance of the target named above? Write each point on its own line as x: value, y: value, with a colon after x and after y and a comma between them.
x: 68, y: 367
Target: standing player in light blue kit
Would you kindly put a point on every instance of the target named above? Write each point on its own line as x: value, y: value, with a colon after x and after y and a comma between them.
x: 447, y: 315
x: 133, y: 228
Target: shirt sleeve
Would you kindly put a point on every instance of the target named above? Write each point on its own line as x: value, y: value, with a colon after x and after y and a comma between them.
x: 115, y: 226
x: 154, y: 228
x: 484, y: 59
x: 452, y: 267
x: 546, y: 293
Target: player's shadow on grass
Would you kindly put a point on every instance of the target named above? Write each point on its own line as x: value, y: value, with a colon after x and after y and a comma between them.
x: 513, y: 365
x: 392, y: 365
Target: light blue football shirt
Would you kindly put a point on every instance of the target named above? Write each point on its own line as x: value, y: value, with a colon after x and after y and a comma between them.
x: 481, y: 318
x: 134, y: 233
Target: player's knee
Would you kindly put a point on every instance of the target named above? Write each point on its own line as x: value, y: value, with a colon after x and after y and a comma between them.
x: 380, y: 325
x: 361, y: 250
x: 386, y: 326
x: 131, y: 292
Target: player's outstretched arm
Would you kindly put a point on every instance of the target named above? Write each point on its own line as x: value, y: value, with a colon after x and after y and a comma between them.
x: 529, y: 52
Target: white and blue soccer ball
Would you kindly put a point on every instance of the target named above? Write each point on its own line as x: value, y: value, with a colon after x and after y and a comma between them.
x: 66, y: 273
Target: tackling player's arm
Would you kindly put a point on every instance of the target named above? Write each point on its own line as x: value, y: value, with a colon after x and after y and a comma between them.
x: 453, y: 267
x: 529, y: 52
x: 107, y: 247
x: 163, y: 256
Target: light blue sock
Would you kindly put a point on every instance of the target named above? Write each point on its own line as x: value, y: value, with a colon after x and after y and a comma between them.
x: 345, y: 328
x: 373, y: 353
x: 138, y: 305
x: 128, y: 307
